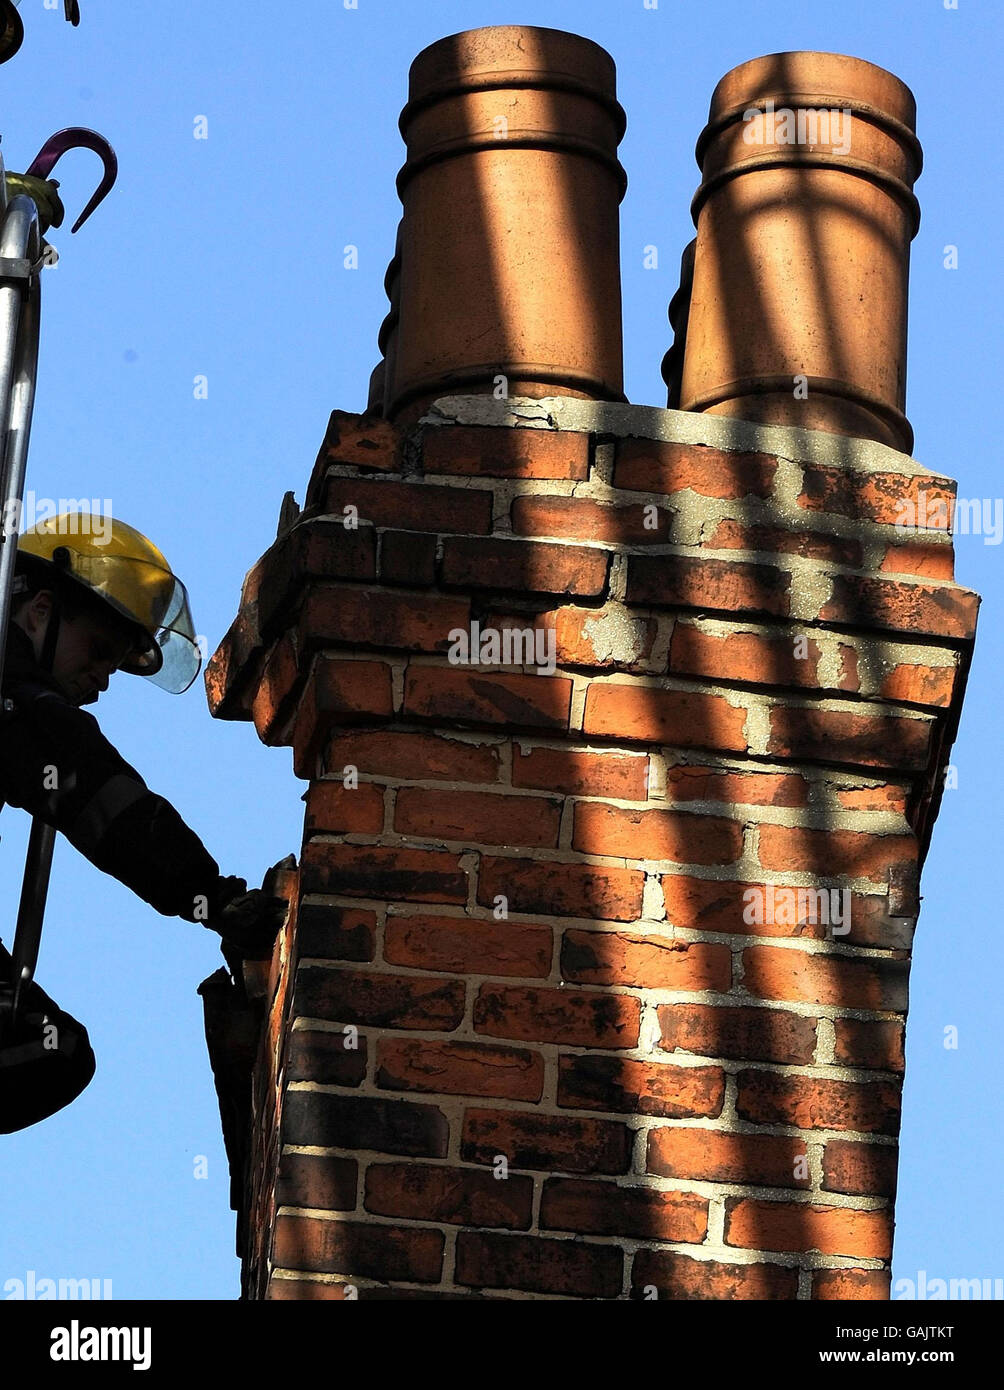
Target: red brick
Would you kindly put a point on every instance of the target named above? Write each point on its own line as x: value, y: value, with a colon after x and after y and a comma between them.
x: 729, y: 586
x: 846, y: 1284
x: 708, y: 1155
x: 378, y: 871
x: 335, y: 933
x: 477, y: 818
x: 866, y: 1170
x: 888, y: 796
x: 424, y: 506
x: 876, y: 496
x: 558, y: 1143
x: 925, y: 558
x: 461, y: 946
x: 562, y: 890
x: 718, y: 905
x: 323, y: 1057
x: 313, y: 550
x: 829, y: 853
x: 681, y: 717
x: 777, y: 972
x: 743, y: 656
x: 680, y: 1277
x: 417, y: 757
x: 644, y: 962
x: 919, y: 685
x: 709, y: 904
x: 607, y: 1209
x: 579, y: 518
x: 489, y: 452
x: 578, y: 772
x: 229, y: 668
x: 355, y: 1247
x: 381, y: 618
x: 685, y: 783
x: 607, y: 638
x: 649, y: 465
x: 762, y: 1225
x: 809, y: 1102
x: 445, y: 693
x: 279, y: 683
x: 676, y: 835
x: 771, y: 540
x: 872, y: 924
x: 338, y: 691
x: 862, y: 1043
x: 368, y: 441
x: 753, y: 1035
x: 326, y: 1119
x: 567, y: 1267
x: 323, y: 1184
x: 580, y: 1018
x: 525, y: 566
x: 331, y: 806
x: 409, y: 558
x: 379, y: 1001
x: 459, y: 1069
x: 456, y: 1196
x: 865, y: 739
x: 594, y: 1082
x: 938, y: 610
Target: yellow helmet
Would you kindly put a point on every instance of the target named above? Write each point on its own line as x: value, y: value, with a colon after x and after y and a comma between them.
x: 117, y: 564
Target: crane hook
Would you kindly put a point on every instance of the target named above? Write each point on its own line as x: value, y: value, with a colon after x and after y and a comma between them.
x: 77, y: 137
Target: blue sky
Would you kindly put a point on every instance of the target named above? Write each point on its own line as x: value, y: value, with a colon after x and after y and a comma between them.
x: 223, y: 257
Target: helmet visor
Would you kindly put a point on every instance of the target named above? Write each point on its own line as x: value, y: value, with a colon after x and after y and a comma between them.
x: 155, y: 601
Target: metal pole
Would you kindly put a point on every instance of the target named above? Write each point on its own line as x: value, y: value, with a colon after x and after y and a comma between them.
x: 20, y: 304
x: 31, y: 908
x: 20, y: 307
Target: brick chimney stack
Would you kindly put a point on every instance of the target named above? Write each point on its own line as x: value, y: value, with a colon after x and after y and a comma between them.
x: 623, y: 731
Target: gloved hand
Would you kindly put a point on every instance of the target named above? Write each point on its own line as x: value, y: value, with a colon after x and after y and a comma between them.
x: 248, y: 921
x: 44, y: 194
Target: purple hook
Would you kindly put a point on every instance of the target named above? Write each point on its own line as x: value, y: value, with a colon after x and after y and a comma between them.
x: 77, y: 137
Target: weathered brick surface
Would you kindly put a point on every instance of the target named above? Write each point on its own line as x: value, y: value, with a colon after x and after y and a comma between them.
x: 768, y: 1160
x: 604, y: 1209
x: 522, y: 1037
x: 806, y: 1226
x: 457, y: 1196
x: 459, y: 1068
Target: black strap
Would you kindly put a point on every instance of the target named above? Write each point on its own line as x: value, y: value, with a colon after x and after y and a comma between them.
x: 51, y: 636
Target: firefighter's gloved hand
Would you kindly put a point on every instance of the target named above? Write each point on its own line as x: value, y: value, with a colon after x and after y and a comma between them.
x: 43, y: 193
x: 249, y: 922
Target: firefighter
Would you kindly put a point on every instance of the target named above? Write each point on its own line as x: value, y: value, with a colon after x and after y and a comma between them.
x: 93, y: 596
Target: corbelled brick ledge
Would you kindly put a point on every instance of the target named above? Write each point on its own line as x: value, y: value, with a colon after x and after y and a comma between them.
x: 529, y: 912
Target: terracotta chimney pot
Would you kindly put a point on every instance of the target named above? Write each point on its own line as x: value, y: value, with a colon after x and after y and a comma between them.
x: 509, y: 252
x: 804, y: 220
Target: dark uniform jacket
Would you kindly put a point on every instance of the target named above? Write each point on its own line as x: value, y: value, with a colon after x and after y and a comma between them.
x: 56, y: 764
